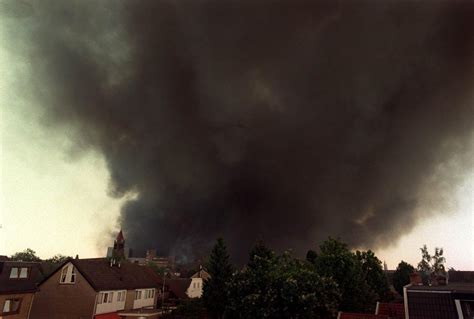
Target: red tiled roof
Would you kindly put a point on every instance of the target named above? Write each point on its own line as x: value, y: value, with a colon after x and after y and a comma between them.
x: 347, y: 315
x: 393, y: 310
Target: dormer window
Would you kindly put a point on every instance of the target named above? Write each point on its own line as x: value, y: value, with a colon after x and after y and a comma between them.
x: 68, y: 275
x: 19, y: 273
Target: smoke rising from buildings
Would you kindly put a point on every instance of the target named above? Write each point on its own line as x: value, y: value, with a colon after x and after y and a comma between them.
x: 282, y: 120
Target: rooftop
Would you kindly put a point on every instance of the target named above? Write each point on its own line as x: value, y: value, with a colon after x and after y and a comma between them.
x: 102, y: 276
x: 19, y: 285
x: 458, y: 287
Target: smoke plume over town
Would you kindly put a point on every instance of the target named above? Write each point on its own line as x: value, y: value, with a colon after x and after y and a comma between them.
x: 286, y: 121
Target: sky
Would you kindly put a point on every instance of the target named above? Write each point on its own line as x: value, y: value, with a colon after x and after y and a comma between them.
x: 56, y: 192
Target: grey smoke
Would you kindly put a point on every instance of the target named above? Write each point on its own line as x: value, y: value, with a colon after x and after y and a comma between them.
x: 282, y: 120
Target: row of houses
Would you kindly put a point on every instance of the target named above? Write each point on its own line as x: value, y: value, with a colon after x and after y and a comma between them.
x: 99, y: 288
x: 443, y: 299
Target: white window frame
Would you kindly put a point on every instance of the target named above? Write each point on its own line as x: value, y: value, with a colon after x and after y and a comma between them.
x: 68, y: 275
x: 9, y: 302
x: 16, y: 274
x: 23, y: 274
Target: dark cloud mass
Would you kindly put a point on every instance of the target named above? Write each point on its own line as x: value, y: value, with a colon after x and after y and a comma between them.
x: 282, y: 120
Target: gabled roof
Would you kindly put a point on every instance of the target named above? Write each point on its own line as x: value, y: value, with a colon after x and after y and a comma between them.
x: 178, y: 287
x: 101, y: 276
x: 201, y: 274
x: 26, y: 285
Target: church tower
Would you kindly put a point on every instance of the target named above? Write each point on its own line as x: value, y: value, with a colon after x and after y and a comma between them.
x: 119, y: 247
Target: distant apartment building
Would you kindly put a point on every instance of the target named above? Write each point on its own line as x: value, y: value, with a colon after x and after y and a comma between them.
x: 17, y: 288
x: 98, y: 288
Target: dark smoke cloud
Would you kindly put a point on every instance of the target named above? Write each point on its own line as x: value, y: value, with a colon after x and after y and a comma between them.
x: 282, y: 120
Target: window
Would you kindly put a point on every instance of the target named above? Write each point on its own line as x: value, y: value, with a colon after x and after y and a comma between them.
x: 111, y: 297
x: 138, y: 294
x: 11, y: 306
x: 68, y: 275
x: 73, y: 275
x: 24, y: 272
x: 19, y: 272
x: 14, y: 272
x: 121, y: 295
x: 101, y: 296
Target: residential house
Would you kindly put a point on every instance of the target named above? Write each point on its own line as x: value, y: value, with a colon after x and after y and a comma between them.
x: 17, y: 288
x: 184, y: 288
x: 197, y: 281
x: 453, y: 299
x: 97, y: 288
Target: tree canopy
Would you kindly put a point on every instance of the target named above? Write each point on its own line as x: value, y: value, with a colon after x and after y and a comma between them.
x: 338, y: 262
x: 272, y: 286
x: 215, y: 289
x: 57, y: 259
x: 26, y: 255
x: 401, y: 276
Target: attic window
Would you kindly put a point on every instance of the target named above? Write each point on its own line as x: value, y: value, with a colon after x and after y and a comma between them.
x: 19, y: 273
x: 68, y: 275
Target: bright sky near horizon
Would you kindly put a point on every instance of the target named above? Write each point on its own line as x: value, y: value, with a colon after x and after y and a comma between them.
x: 54, y: 203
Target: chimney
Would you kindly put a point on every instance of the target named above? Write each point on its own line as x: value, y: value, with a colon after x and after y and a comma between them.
x: 415, y: 279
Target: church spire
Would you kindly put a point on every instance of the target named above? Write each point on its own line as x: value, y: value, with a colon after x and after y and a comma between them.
x: 119, y: 246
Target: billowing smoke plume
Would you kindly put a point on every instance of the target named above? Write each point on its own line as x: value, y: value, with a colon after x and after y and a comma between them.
x: 282, y: 120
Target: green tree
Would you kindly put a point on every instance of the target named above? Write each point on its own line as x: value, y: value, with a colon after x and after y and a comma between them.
x: 274, y: 286
x: 438, y: 261
x: 374, y: 274
x: 430, y: 265
x: 57, y: 259
x: 401, y: 276
x: 311, y: 256
x: 215, y: 288
x: 336, y: 261
x: 26, y: 255
x: 424, y: 265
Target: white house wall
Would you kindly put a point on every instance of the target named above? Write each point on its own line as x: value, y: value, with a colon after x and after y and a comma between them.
x: 113, y: 306
x: 144, y: 302
x: 195, y: 288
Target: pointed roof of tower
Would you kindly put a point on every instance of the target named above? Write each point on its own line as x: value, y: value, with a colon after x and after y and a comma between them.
x: 120, y: 236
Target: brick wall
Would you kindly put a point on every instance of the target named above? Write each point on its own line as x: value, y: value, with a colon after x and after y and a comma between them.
x: 24, y: 306
x: 64, y: 301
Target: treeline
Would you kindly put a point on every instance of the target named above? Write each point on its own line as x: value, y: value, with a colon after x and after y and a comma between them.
x: 29, y: 255
x: 281, y: 286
